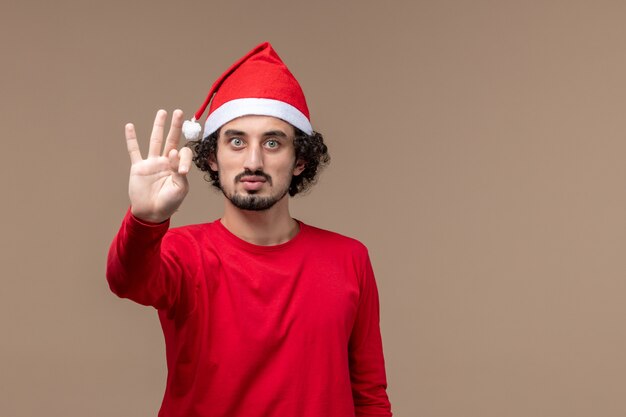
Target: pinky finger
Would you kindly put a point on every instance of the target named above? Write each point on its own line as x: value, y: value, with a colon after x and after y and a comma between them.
x: 131, y: 143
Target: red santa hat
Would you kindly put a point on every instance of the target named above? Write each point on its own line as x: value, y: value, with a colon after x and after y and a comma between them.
x: 259, y: 83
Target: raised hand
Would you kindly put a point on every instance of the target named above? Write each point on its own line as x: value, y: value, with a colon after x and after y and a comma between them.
x: 158, y: 184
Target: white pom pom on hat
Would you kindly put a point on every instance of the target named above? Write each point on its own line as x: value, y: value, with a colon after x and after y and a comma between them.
x: 192, y: 129
x: 259, y: 83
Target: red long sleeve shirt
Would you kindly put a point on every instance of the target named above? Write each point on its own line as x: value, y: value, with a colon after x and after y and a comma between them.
x: 290, y: 330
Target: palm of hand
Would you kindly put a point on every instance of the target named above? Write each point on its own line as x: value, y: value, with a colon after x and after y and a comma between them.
x: 158, y: 184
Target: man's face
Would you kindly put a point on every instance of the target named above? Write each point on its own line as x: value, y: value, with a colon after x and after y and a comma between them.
x: 256, y: 161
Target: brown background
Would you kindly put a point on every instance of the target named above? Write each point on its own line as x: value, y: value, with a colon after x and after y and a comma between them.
x: 478, y: 151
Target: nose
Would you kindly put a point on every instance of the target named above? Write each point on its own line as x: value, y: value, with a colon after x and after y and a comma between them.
x: 254, y: 158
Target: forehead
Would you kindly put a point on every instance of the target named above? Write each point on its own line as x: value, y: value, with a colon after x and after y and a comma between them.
x: 258, y: 125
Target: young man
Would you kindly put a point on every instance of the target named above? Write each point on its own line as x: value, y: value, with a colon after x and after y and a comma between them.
x: 262, y: 315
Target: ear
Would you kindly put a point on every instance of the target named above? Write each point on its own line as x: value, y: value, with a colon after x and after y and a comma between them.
x: 212, y: 163
x: 297, y: 170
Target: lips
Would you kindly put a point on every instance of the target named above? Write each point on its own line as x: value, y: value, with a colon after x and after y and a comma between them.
x: 253, y: 178
x: 253, y: 182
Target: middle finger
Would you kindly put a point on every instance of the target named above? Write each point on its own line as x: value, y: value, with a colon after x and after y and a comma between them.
x: 173, y: 136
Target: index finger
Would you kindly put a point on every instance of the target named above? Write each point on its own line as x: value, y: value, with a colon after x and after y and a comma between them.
x: 131, y: 143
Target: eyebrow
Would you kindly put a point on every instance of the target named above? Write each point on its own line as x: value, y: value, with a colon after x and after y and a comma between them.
x: 275, y: 133
x: 233, y: 132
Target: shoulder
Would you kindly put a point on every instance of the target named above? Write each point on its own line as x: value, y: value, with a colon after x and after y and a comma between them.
x: 190, y: 235
x: 190, y: 229
x: 333, y: 240
x: 193, y: 229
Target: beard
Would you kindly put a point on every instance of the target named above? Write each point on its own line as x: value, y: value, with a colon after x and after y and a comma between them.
x: 254, y: 202
x: 251, y: 201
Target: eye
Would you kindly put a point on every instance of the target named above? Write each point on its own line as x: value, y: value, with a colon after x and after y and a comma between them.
x: 236, y: 142
x: 272, y: 144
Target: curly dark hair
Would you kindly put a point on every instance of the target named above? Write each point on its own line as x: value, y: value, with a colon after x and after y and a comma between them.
x: 309, y: 148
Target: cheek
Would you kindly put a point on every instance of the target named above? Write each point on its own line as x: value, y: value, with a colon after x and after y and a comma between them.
x: 223, y: 162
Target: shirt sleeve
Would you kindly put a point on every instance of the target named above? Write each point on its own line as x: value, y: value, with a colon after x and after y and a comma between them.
x: 367, y: 364
x: 141, y: 268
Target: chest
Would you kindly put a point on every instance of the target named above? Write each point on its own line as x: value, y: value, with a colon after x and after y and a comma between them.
x: 264, y: 298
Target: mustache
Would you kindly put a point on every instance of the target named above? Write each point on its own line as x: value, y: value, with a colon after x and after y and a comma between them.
x: 257, y: 173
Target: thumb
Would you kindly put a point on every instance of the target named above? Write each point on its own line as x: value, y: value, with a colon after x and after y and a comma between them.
x: 178, y: 177
x: 185, y: 157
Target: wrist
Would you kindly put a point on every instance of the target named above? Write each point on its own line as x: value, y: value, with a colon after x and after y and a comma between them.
x: 149, y: 219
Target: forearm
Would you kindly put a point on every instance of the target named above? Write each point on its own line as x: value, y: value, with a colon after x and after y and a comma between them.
x: 368, y: 377
x: 367, y: 364
x: 135, y: 267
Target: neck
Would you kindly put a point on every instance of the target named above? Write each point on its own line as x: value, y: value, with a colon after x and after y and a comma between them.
x: 268, y: 227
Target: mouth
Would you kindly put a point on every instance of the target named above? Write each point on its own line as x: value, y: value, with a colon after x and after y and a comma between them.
x: 253, y: 178
x: 252, y: 182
